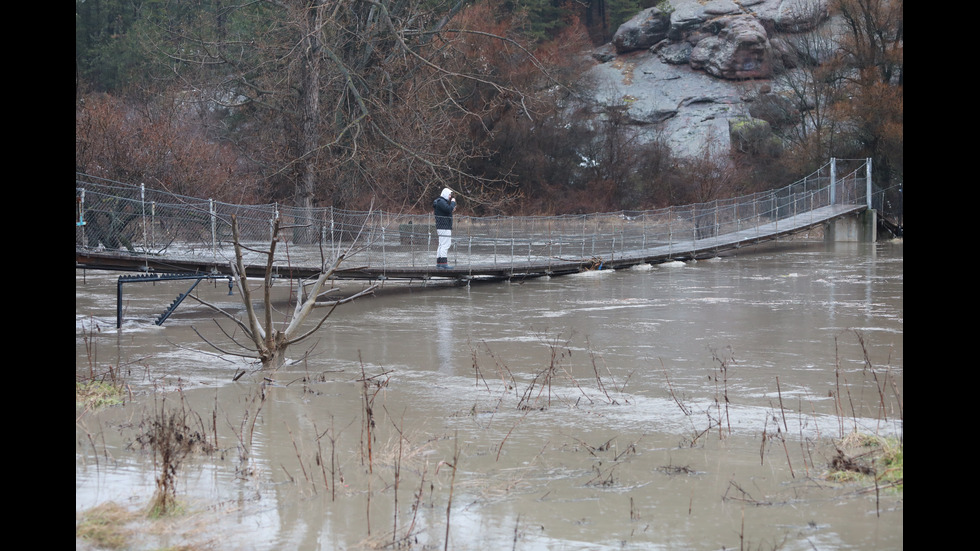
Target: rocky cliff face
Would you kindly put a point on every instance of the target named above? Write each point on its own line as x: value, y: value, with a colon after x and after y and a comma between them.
x: 689, y: 68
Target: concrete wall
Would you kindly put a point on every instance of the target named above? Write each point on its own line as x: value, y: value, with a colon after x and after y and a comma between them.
x: 862, y: 227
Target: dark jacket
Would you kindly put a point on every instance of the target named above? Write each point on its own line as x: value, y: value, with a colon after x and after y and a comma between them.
x: 444, y: 213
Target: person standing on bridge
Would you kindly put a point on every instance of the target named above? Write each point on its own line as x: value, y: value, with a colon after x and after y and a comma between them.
x: 443, y: 206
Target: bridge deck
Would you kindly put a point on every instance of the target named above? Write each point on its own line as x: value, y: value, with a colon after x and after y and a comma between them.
x: 679, y: 250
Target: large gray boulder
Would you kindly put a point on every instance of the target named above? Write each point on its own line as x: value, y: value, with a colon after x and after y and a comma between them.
x: 791, y: 16
x: 687, y: 17
x: 690, y: 70
x: 754, y: 136
x: 728, y: 44
x: 642, y: 31
x: 721, y: 7
x: 739, y: 51
x: 689, y: 108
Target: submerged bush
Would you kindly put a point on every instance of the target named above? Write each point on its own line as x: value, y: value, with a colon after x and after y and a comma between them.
x: 168, y: 434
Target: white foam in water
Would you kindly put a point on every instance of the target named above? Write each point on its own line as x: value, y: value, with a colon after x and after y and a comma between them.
x: 592, y: 273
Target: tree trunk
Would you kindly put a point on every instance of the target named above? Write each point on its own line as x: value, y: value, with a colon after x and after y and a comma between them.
x: 309, y: 141
x: 271, y: 343
x: 273, y: 356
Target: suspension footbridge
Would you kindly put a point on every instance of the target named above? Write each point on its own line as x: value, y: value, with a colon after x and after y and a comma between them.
x: 131, y: 228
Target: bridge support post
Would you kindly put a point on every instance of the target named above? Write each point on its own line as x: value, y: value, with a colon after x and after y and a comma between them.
x: 861, y: 227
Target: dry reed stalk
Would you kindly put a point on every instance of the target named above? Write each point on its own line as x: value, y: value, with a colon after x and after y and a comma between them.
x: 90, y: 349
x: 247, y: 431
x: 476, y: 369
x: 547, y: 374
x: 299, y: 458
x: 782, y: 413
x: 812, y: 443
x: 870, y: 367
x: 803, y: 440
x: 840, y: 375
x: 452, y: 482
x: 333, y: 457
x: 214, y: 420
x: 598, y: 378
x: 684, y: 409
x: 579, y: 387
x: 500, y: 448
x: 398, y: 461
x: 838, y: 406
x: 670, y: 389
x: 723, y: 368
x: 762, y: 447
x: 418, y: 501
x: 602, y: 386
x: 506, y: 378
x: 898, y: 399
x: 744, y: 496
x: 88, y: 434
x: 367, y: 507
x: 319, y: 459
x: 741, y: 532
x: 517, y: 532
x: 369, y: 422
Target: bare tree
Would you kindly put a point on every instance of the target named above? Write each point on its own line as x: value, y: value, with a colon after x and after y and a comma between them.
x: 840, y: 91
x: 340, y: 102
x: 875, y: 38
x: 808, y: 83
x: 270, y: 342
x: 814, y: 87
x: 874, y: 44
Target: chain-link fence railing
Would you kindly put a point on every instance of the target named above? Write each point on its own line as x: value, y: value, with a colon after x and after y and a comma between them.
x: 141, y: 221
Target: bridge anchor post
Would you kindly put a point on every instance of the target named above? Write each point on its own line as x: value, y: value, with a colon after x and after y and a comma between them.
x: 861, y: 227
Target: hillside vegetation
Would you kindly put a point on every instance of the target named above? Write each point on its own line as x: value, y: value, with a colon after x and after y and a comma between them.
x: 352, y: 104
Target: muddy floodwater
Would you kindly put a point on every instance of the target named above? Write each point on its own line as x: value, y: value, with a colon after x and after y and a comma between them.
x: 678, y: 406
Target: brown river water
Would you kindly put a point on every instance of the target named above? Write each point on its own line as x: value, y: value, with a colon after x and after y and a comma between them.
x: 677, y: 406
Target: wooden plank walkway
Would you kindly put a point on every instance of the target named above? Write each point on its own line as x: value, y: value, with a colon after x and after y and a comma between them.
x: 682, y: 250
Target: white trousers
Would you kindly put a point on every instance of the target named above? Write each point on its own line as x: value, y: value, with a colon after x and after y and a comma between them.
x: 445, y: 240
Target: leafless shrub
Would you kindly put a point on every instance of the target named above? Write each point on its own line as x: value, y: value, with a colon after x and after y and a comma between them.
x: 168, y: 433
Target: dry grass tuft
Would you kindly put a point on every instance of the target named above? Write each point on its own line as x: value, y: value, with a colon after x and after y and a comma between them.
x: 96, y: 394
x: 105, y: 526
